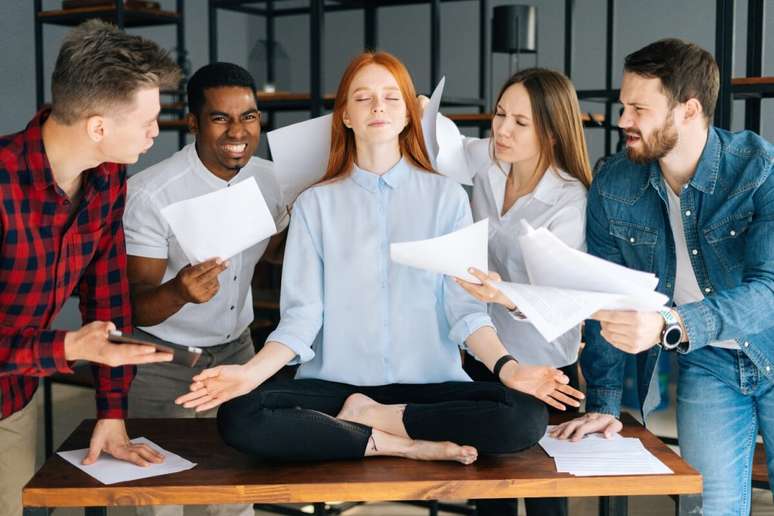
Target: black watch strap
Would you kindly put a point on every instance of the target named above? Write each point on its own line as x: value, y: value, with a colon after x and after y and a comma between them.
x: 500, y: 363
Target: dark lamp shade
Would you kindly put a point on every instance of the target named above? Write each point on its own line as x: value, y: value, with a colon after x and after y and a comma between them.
x: 514, y: 29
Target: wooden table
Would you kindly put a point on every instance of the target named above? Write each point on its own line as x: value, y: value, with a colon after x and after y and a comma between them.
x: 226, y: 476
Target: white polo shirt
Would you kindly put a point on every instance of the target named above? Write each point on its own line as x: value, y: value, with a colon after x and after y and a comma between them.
x: 557, y: 203
x: 183, y: 176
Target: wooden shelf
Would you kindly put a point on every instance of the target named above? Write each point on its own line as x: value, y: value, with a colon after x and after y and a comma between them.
x: 133, y: 17
x: 752, y: 87
x: 485, y: 119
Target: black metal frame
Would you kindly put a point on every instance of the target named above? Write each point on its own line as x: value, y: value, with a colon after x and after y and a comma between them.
x: 316, y: 11
x: 122, y: 18
x: 608, y: 96
x: 752, y: 94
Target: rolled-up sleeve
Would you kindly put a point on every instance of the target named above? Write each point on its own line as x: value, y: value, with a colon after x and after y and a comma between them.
x: 464, y: 313
x: 301, y: 299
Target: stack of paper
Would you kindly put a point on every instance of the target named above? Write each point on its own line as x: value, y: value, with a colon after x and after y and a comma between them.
x: 568, y: 286
x: 595, y: 455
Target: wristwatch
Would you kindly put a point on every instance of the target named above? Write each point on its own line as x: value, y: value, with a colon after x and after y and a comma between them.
x: 672, y: 334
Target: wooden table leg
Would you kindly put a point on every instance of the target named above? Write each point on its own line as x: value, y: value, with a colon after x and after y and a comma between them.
x: 613, y: 505
x: 689, y: 505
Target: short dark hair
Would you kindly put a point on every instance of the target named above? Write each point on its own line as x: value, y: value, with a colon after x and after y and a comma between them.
x: 215, y: 75
x: 100, y: 66
x: 685, y: 69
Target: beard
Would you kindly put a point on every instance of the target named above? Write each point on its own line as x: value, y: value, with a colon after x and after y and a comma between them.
x: 658, y: 145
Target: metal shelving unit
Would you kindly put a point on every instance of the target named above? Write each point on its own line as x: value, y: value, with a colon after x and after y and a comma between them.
x: 315, y: 101
x: 123, y: 17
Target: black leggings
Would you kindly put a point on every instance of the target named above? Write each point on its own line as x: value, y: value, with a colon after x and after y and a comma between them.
x: 534, y: 506
x: 295, y: 420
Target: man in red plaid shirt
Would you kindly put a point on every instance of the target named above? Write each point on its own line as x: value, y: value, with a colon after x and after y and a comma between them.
x: 62, y: 193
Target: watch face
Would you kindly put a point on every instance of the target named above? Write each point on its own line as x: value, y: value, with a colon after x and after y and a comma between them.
x: 672, y: 336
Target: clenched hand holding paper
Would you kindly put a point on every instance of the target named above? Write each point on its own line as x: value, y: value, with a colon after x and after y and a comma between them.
x: 567, y: 285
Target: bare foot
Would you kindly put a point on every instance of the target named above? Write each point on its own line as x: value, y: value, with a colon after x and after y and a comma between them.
x: 444, y: 450
x: 354, y: 407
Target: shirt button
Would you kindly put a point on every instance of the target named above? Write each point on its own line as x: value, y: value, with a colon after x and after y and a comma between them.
x: 232, y: 307
x: 707, y: 290
x: 768, y: 368
x: 733, y: 233
x: 694, y: 252
x: 228, y: 336
x: 669, y: 285
x: 687, y: 213
x: 234, y: 278
x: 746, y: 344
x: 631, y: 240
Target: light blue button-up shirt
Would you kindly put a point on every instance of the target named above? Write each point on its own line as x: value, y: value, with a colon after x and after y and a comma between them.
x: 351, y: 314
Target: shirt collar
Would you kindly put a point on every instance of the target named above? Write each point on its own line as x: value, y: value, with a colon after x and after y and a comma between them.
x: 203, y: 172
x: 706, y: 175
x: 550, y: 185
x: 392, y: 178
x: 546, y: 191
x: 40, y: 168
x: 35, y: 155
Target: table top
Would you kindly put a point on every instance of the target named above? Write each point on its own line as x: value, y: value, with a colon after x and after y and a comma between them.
x: 224, y: 475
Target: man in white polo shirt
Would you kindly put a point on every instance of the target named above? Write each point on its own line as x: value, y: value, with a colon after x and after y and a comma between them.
x: 208, y: 305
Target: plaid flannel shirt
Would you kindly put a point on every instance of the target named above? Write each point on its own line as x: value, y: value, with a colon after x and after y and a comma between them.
x: 44, y: 258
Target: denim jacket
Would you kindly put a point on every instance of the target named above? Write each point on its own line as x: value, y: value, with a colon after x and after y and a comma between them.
x: 728, y: 214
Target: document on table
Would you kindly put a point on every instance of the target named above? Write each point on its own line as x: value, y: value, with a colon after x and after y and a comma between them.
x: 450, y: 254
x: 222, y: 223
x: 109, y: 470
x: 300, y: 154
x: 596, y: 455
x: 568, y: 285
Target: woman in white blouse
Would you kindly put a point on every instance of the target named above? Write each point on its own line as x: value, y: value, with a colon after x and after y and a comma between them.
x: 534, y: 168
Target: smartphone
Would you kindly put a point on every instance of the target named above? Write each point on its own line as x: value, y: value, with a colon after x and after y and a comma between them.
x: 183, y: 355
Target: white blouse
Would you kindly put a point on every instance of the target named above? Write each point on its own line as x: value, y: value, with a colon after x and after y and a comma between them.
x: 557, y: 203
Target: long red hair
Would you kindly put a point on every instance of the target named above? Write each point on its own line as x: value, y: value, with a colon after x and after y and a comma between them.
x: 411, y: 140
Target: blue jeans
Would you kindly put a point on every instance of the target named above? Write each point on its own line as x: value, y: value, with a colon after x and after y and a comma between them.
x: 723, y: 401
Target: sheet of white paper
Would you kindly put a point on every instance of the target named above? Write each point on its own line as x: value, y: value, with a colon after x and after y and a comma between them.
x: 451, y: 160
x: 644, y: 464
x: 429, y: 122
x: 554, y: 311
x: 300, y: 153
x: 450, y: 254
x: 591, y: 444
x: 552, y: 263
x: 443, y: 140
x: 222, y: 223
x: 110, y: 471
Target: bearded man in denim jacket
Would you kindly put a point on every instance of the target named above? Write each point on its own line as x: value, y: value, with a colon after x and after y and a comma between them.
x: 693, y: 204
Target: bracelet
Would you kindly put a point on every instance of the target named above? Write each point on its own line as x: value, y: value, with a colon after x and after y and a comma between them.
x: 501, y: 362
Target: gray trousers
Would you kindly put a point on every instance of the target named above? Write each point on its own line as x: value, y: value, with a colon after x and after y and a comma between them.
x: 153, y: 393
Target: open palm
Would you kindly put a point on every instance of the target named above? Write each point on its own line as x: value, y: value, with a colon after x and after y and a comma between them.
x: 545, y: 383
x: 214, y: 386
